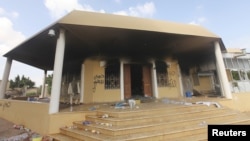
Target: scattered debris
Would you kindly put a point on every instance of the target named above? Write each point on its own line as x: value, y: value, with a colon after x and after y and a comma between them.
x: 21, y: 137
x: 20, y: 127
x: 18, y: 132
x: 105, y: 116
x: 92, y: 108
x: 86, y: 122
x: 203, y: 123
x: 132, y: 103
x: 120, y: 105
x: 209, y: 103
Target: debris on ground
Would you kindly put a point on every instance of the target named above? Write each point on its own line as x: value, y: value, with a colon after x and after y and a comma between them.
x: 17, y: 132
x: 120, y: 105
x: 105, y: 116
x: 208, y: 103
x: 86, y: 122
x: 131, y: 103
x: 203, y: 123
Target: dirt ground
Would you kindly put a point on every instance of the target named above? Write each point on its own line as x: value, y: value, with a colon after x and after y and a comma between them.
x: 12, y: 132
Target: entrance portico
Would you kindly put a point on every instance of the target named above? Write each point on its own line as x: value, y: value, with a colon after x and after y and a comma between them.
x: 81, y: 43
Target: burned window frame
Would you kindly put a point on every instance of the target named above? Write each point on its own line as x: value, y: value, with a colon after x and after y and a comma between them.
x: 112, y: 75
x: 161, y: 73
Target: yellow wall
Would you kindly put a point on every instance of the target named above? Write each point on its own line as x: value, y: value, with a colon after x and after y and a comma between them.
x: 35, y: 116
x: 205, y: 83
x: 173, y: 91
x: 240, y: 102
x: 31, y: 115
x: 96, y: 92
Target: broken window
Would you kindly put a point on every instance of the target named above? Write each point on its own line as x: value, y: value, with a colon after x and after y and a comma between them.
x: 161, y: 73
x: 112, y: 75
x: 235, y: 75
x: 248, y: 75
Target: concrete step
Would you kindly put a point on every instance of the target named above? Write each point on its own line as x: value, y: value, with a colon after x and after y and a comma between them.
x: 161, y: 117
x: 168, y: 108
x: 138, y: 128
x: 62, y: 137
x: 166, y: 122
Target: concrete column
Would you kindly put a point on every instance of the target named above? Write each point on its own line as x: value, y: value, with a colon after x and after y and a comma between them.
x: 224, y: 83
x: 154, y: 79
x: 180, y: 80
x: 44, y: 83
x: 82, y: 84
x: 6, y: 74
x: 122, y: 80
x: 57, y: 74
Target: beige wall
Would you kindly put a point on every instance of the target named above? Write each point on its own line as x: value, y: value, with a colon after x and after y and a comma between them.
x: 239, y: 102
x: 173, y: 91
x: 35, y: 116
x: 205, y: 84
x: 31, y: 115
x: 96, y: 92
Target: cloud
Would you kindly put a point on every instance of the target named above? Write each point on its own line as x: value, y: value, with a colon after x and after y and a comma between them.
x: 59, y: 8
x: 9, y: 37
x: 198, y: 21
x: 12, y: 14
x: 145, y: 10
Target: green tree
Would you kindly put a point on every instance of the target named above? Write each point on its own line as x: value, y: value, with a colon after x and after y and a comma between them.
x: 19, y: 83
x: 49, y: 82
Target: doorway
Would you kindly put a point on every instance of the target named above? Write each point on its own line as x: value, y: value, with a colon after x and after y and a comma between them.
x: 137, y: 80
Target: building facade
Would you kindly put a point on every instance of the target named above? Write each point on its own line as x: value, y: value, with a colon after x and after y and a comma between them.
x: 238, y: 69
x: 99, y: 57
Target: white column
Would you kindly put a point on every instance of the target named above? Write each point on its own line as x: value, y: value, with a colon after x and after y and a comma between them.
x: 180, y: 80
x: 154, y: 79
x: 5, y: 77
x: 44, y: 83
x: 57, y: 74
x: 122, y: 80
x: 82, y: 84
x: 224, y: 83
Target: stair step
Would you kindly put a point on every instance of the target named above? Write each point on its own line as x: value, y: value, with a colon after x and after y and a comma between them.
x: 163, y: 117
x: 167, y: 108
x: 175, y: 122
x: 193, y: 137
x: 62, y: 137
x: 121, y: 130
x: 147, y: 136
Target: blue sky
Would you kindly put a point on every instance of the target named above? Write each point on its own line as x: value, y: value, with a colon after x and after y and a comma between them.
x: 21, y: 19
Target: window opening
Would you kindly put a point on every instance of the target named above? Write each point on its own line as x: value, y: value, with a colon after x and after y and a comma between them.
x: 161, y: 73
x: 112, y: 75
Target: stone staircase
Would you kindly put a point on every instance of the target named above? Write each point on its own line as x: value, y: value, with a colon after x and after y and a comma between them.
x: 151, y: 122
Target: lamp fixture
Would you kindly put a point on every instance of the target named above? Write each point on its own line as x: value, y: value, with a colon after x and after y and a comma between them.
x: 51, y: 33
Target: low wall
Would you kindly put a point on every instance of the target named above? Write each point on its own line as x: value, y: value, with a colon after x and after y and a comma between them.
x: 240, y: 102
x: 30, y: 114
x: 34, y: 115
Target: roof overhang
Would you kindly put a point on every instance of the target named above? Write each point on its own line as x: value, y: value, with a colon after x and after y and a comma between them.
x: 89, y: 33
